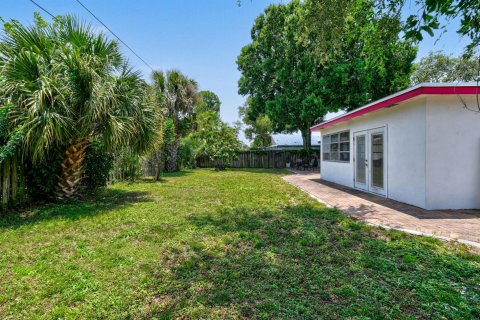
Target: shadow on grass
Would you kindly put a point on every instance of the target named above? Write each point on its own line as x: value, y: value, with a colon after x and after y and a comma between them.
x: 277, y: 171
x: 103, y: 200
x: 164, y: 177
x: 307, y: 262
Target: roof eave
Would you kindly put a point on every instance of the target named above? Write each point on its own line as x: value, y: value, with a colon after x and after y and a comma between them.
x: 401, y: 96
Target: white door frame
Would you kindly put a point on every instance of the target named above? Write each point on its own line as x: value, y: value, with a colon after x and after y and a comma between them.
x: 363, y: 185
x: 368, y: 184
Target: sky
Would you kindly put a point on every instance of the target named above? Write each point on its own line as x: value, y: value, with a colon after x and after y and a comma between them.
x: 201, y: 38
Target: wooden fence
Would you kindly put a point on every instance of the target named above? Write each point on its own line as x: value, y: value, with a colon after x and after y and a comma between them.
x: 261, y: 159
x: 12, y: 183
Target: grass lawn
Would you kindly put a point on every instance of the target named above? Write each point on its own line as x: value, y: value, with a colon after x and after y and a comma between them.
x: 234, y: 244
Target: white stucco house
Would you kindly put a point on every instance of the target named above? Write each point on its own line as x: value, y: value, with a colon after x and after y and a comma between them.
x: 420, y: 146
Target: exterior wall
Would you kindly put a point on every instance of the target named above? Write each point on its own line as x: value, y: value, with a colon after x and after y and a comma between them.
x: 453, y: 153
x: 338, y: 172
x: 406, y: 144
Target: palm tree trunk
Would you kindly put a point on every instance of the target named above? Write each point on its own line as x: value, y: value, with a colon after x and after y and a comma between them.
x: 173, y: 154
x: 72, y: 169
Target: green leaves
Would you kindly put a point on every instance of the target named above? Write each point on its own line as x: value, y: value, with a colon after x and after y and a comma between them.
x: 313, y: 57
x: 432, y: 11
x: 216, y: 139
x: 98, y: 164
x: 259, y: 130
x: 438, y: 67
x: 177, y: 95
x: 209, y: 102
x: 67, y: 82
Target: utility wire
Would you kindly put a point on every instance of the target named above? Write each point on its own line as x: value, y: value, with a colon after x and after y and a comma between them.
x: 113, y: 33
x: 45, y: 10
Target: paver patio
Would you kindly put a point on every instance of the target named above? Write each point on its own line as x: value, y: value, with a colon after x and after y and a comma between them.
x: 461, y: 225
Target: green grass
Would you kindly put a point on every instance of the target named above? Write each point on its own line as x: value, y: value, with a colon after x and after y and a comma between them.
x: 234, y: 244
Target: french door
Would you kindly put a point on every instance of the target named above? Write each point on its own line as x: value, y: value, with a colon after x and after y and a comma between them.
x: 370, y: 160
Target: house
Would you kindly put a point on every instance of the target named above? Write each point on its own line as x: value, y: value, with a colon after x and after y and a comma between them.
x: 419, y: 146
x: 291, y: 142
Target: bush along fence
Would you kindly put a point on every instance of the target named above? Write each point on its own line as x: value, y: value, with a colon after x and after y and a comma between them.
x: 12, y: 183
x: 263, y: 159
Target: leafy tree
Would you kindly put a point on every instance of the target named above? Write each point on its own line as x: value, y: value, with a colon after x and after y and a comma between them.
x: 438, y: 67
x: 209, y: 102
x: 179, y: 95
x: 69, y: 85
x: 295, y: 84
x: 279, y: 72
x: 258, y: 130
x: 216, y: 140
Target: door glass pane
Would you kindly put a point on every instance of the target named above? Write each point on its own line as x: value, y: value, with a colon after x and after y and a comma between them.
x: 377, y: 160
x: 361, y: 174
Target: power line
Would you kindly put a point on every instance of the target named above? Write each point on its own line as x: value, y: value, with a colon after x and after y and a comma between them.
x: 45, y: 10
x: 113, y: 33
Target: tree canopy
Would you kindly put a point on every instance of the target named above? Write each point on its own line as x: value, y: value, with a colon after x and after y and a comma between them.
x: 209, y: 102
x: 295, y: 84
x: 438, y: 67
x: 430, y: 17
x: 65, y: 85
x: 64, y: 82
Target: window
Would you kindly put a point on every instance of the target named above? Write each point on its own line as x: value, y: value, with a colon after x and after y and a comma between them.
x: 336, y: 147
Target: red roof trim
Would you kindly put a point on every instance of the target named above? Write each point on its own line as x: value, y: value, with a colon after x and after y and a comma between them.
x: 397, y: 99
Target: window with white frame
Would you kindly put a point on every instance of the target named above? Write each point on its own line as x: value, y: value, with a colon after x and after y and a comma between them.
x: 336, y: 146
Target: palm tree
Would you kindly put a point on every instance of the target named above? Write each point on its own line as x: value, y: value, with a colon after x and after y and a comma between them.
x: 69, y: 85
x: 179, y: 95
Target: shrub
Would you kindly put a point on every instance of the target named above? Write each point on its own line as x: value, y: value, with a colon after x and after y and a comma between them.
x: 127, y: 166
x: 98, y: 164
x: 188, y: 153
x: 41, y: 177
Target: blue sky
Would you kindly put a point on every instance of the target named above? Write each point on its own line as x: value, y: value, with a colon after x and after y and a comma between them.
x: 202, y: 38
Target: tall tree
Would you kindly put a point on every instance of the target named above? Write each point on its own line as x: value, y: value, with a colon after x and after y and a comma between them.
x: 209, y: 102
x: 279, y: 72
x: 293, y: 82
x: 68, y: 85
x: 438, y: 67
x: 179, y: 96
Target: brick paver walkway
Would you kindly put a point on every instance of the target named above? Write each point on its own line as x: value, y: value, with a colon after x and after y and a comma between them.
x: 462, y: 225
